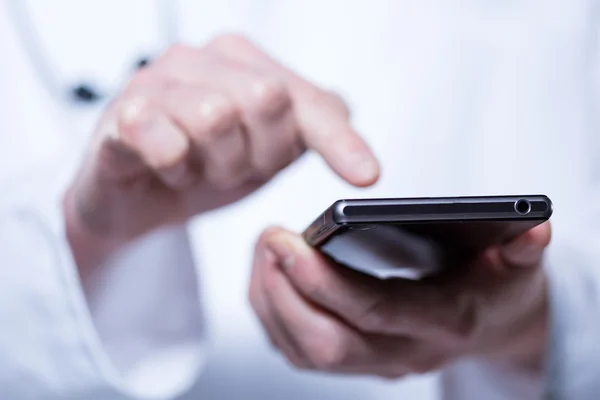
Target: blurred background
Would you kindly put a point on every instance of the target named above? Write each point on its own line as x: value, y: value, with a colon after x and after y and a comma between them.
x: 417, y: 76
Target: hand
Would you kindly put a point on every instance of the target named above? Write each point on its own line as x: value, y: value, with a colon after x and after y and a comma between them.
x: 196, y: 130
x: 327, y: 317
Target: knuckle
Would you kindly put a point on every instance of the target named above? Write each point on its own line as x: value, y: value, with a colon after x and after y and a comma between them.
x: 179, y: 51
x: 328, y: 350
x: 230, y: 42
x: 134, y: 114
x: 268, y: 97
x: 217, y: 115
x: 309, y: 279
x: 142, y: 79
x: 374, y: 318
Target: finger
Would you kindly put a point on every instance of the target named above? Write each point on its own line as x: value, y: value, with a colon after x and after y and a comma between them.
x: 328, y: 344
x: 528, y: 249
x: 371, y: 305
x: 268, y: 115
x: 213, y: 123
x: 258, y: 300
x: 265, y: 106
x: 326, y: 130
x: 343, y: 106
x: 115, y: 160
x: 322, y: 118
x: 323, y: 342
x: 145, y: 129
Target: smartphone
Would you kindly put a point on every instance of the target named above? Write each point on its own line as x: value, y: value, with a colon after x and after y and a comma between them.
x: 413, y: 238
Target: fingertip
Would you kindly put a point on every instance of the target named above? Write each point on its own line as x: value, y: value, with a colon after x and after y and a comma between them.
x: 527, y: 249
x: 290, y: 239
x: 270, y: 232
x: 356, y: 163
x: 365, y: 173
x: 286, y: 246
x: 328, y: 132
x: 538, y: 236
x: 542, y: 234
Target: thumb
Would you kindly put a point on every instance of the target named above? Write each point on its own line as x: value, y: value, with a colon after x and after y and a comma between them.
x: 527, y: 249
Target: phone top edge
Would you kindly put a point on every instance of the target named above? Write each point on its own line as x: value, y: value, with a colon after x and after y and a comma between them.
x: 439, y: 208
x: 337, y: 211
x: 443, y: 199
x: 550, y: 209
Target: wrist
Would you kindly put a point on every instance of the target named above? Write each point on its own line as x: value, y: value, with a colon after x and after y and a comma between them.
x: 89, y: 249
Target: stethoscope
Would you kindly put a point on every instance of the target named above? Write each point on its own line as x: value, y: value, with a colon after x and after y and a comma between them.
x: 79, y: 92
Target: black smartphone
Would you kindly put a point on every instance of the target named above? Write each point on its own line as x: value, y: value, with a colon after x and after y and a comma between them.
x: 413, y: 238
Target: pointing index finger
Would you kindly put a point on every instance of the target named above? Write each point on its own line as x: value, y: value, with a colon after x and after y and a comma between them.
x: 322, y: 117
x: 325, y: 128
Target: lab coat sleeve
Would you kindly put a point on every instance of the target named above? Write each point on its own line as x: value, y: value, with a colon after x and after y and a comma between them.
x: 136, y: 332
x: 573, y: 364
x: 572, y: 361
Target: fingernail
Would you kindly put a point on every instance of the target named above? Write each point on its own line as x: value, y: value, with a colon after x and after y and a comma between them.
x: 283, y: 251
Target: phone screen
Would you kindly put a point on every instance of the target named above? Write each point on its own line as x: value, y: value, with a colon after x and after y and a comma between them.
x: 416, y: 250
x: 385, y: 252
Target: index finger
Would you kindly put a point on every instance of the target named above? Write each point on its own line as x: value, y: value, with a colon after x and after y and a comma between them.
x: 325, y: 129
x: 322, y: 117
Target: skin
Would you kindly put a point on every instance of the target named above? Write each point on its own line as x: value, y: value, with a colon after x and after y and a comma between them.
x: 201, y: 128
x: 326, y: 317
x: 198, y: 129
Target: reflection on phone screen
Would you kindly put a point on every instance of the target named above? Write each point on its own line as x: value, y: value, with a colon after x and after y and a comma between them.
x: 386, y: 251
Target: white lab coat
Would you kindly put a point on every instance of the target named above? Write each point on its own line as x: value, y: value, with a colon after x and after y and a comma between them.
x: 456, y: 98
